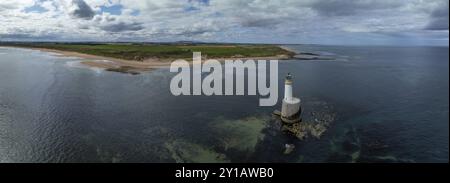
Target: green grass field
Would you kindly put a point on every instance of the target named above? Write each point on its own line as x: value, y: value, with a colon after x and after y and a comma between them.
x: 141, y: 52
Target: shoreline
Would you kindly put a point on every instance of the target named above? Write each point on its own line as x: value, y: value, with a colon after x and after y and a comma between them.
x: 135, y: 67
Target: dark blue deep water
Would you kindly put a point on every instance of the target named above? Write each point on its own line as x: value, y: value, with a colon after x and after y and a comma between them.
x: 391, y: 105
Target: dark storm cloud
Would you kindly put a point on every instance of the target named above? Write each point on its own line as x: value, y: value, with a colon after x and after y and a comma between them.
x: 82, y: 10
x: 350, y: 7
x: 439, y: 18
x: 122, y: 27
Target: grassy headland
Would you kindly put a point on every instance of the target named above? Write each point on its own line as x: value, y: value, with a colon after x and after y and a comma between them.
x: 133, y: 57
x: 167, y: 52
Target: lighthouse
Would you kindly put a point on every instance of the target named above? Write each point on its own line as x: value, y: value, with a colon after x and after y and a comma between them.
x: 291, y: 106
x: 288, y: 88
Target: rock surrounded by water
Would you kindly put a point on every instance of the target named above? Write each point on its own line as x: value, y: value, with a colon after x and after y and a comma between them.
x: 315, y: 125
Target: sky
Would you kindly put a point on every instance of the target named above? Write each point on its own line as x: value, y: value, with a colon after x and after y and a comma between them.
x: 329, y: 22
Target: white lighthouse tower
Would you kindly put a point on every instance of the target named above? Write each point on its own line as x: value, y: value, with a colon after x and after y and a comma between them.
x: 288, y: 88
x: 290, y: 109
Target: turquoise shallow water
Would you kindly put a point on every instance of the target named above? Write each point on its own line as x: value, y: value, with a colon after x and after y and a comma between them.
x: 391, y: 105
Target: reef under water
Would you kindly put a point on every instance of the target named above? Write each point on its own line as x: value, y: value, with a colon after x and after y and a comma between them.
x: 357, y: 145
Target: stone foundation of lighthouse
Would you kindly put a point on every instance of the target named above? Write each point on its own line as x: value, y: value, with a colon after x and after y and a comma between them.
x: 290, y: 108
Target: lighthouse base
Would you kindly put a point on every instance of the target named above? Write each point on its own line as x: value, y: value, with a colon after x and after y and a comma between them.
x: 291, y: 111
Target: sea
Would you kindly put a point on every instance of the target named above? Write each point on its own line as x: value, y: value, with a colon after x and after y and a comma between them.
x: 388, y: 104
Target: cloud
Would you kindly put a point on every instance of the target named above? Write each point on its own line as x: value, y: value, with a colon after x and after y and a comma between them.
x: 439, y: 18
x: 113, y: 23
x: 6, y: 6
x: 268, y: 21
x: 31, y: 37
x: 351, y: 7
x: 28, y: 35
x: 197, y: 29
x: 260, y: 22
x: 81, y: 10
x: 9, y: 5
x: 122, y: 27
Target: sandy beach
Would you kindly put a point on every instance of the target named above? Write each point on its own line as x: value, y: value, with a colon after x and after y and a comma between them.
x: 99, y: 61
